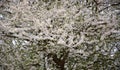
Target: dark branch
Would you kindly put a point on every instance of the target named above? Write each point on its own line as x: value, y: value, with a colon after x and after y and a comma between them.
x: 115, y: 4
x: 60, y: 62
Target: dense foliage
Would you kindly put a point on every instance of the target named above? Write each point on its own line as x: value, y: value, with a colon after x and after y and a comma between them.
x: 60, y: 34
